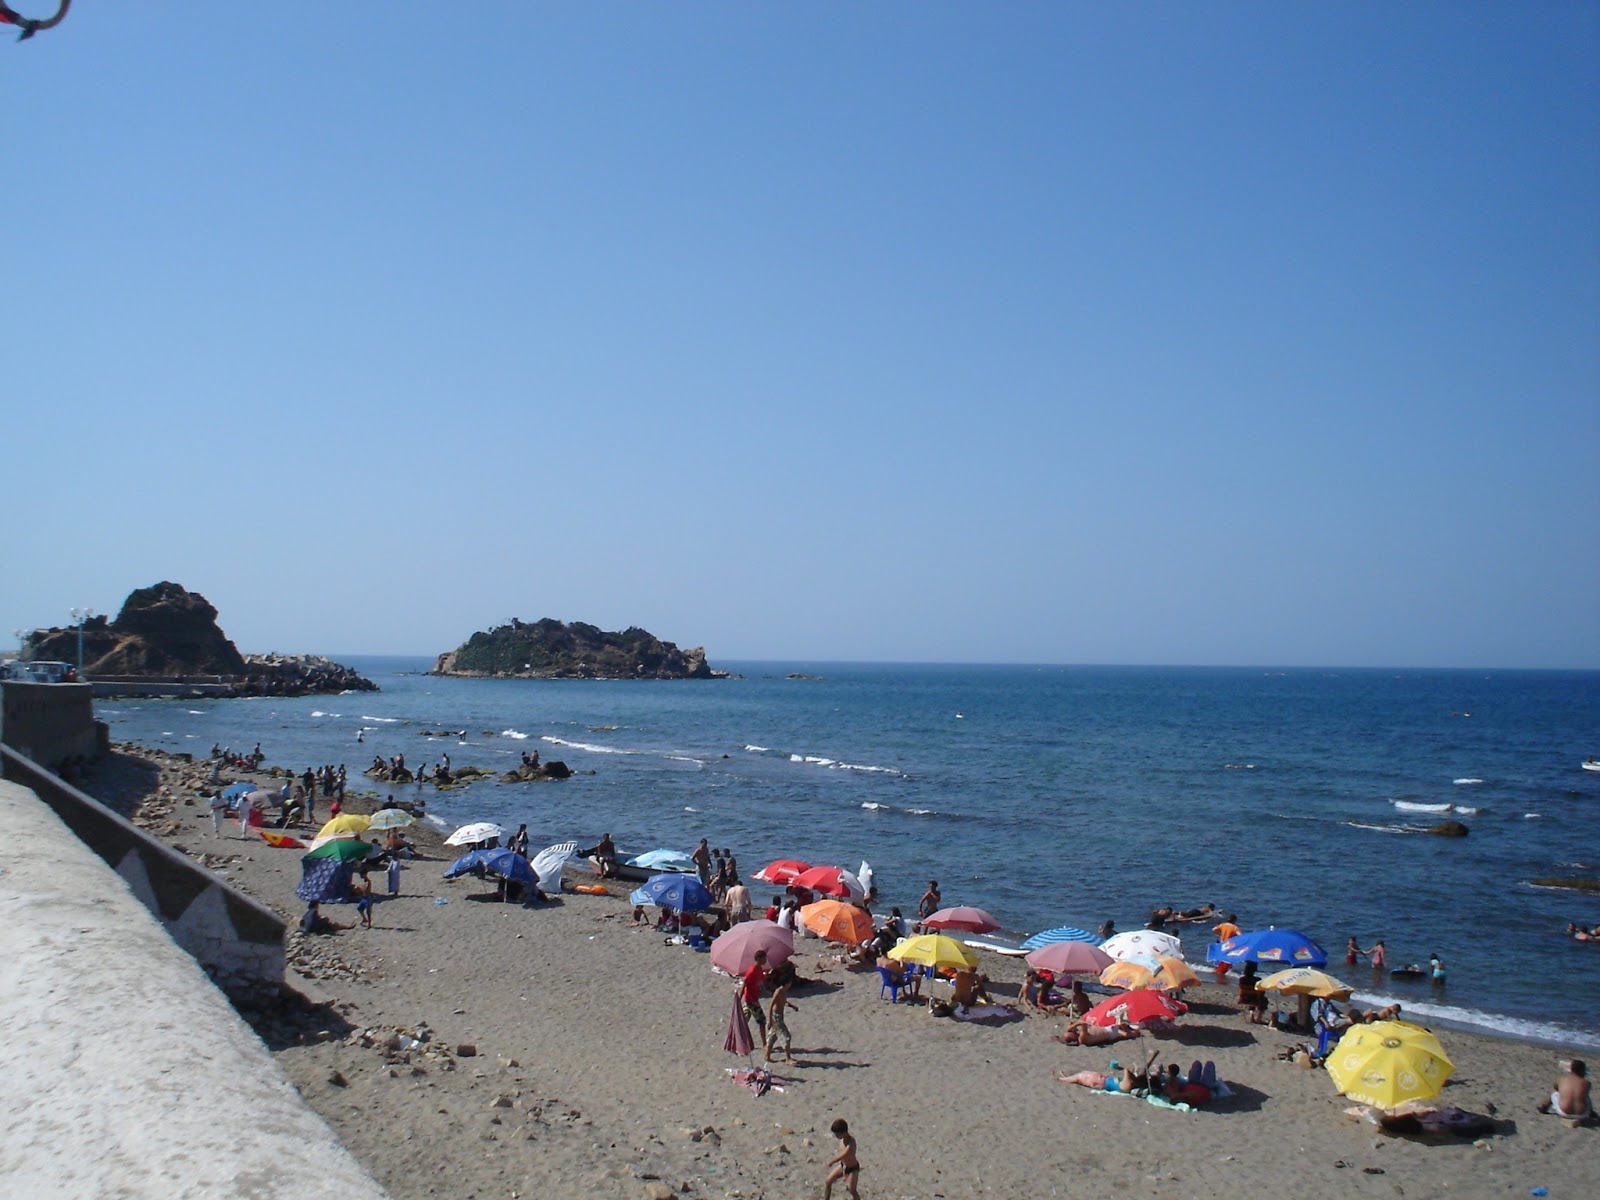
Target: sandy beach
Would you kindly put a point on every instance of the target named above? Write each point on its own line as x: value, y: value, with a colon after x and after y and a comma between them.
x: 569, y: 1054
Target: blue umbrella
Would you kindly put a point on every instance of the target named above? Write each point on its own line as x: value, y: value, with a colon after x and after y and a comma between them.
x: 1062, y: 933
x: 1288, y: 947
x: 469, y: 862
x: 684, y: 893
x: 664, y: 860
x: 239, y: 789
x: 508, y: 864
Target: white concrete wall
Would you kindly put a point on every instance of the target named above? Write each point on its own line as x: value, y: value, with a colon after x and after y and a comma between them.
x: 127, y: 1074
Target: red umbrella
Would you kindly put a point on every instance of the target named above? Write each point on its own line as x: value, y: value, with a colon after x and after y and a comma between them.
x: 967, y: 920
x: 1070, y: 958
x: 735, y: 950
x: 1136, y: 1008
x: 834, y: 881
x: 782, y: 871
x: 738, y: 1040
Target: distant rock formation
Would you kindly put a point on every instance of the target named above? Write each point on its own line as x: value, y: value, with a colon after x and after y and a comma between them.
x: 168, y: 632
x: 550, y: 649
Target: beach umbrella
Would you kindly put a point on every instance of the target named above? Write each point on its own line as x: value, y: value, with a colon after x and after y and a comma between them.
x: 682, y: 893
x: 1136, y: 1008
x: 934, y: 950
x: 390, y: 818
x: 548, y: 864
x: 963, y: 920
x: 472, y: 860
x: 1303, y: 981
x: 1173, y: 974
x: 1062, y: 933
x: 738, y: 1040
x: 344, y: 849
x: 506, y: 864
x: 1127, y: 975
x: 782, y: 871
x: 831, y: 881
x: 664, y: 860
x: 345, y: 823
x: 1142, y: 941
x: 735, y: 950
x: 1287, y: 946
x: 283, y: 841
x: 234, y: 791
x: 480, y: 831
x: 836, y: 921
x: 1387, y: 1063
x: 1070, y: 958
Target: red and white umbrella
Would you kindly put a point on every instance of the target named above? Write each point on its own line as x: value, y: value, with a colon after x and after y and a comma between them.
x: 782, y: 871
x: 735, y: 950
x: 1136, y: 1008
x: 832, y: 881
x: 965, y: 920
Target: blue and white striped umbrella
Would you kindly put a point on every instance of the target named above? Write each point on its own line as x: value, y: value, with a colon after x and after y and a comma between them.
x: 1063, y: 933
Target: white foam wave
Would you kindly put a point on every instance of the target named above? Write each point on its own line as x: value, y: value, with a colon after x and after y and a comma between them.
x: 922, y: 812
x: 690, y: 808
x: 1472, y: 1019
x: 335, y: 716
x: 384, y: 720
x: 1465, y: 782
x: 688, y: 758
x: 588, y: 746
x: 1382, y: 828
x: 868, y: 804
x: 757, y: 749
x: 833, y: 764
x: 1531, y: 816
x: 513, y: 733
x: 1409, y: 806
x: 1466, y: 810
x: 195, y: 712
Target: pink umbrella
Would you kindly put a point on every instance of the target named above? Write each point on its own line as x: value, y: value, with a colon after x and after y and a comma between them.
x: 735, y: 950
x: 782, y: 871
x: 1070, y: 958
x: 738, y: 1040
x: 967, y: 920
x: 833, y: 881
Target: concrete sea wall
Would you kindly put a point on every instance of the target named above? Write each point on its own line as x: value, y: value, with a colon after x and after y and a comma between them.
x: 49, y: 722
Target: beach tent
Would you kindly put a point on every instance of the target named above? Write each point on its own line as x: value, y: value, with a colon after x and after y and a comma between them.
x: 325, y: 880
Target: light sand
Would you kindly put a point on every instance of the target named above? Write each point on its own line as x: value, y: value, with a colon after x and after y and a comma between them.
x: 600, y: 1052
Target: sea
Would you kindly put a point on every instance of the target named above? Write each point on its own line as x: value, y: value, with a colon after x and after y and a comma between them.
x: 1050, y: 795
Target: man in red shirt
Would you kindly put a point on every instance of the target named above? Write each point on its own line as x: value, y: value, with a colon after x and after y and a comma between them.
x: 750, y: 991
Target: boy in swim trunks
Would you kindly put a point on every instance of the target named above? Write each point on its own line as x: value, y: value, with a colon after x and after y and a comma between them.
x: 844, y: 1164
x: 1570, y: 1099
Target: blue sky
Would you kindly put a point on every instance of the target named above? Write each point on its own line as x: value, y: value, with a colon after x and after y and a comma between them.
x: 1153, y: 333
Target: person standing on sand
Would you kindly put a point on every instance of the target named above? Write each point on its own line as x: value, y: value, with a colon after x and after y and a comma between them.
x: 776, y: 1026
x: 702, y: 862
x: 219, y: 806
x: 750, y: 991
x: 362, y: 891
x: 843, y: 1165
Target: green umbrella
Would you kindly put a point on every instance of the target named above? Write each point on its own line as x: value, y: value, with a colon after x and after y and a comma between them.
x: 343, y: 849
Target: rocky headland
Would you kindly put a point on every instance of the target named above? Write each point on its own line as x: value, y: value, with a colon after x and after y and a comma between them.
x: 166, y: 633
x: 551, y: 649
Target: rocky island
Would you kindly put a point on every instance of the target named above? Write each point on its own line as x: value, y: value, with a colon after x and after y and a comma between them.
x: 551, y: 649
x: 167, y: 633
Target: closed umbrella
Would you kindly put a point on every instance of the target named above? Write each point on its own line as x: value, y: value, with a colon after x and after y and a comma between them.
x: 964, y: 920
x: 735, y: 950
x: 835, y: 921
x: 1389, y: 1062
x: 1070, y: 958
x: 738, y: 1040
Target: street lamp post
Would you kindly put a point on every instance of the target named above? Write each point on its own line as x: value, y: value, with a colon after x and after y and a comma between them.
x: 22, y: 642
x: 80, y: 615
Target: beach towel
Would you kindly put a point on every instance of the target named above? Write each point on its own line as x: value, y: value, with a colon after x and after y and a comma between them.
x: 990, y: 1014
x: 758, y: 1079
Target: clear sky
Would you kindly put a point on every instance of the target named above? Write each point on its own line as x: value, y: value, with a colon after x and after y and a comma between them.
x: 1146, y: 333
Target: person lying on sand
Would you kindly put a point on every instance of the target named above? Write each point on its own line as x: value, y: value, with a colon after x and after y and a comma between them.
x: 1084, y: 1033
x: 1133, y: 1081
x: 1389, y: 1012
x: 1570, y: 1099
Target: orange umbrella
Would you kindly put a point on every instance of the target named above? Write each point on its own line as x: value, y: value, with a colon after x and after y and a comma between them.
x: 836, y: 921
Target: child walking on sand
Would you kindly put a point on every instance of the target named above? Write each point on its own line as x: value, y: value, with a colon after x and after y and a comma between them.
x: 362, y: 891
x: 844, y: 1164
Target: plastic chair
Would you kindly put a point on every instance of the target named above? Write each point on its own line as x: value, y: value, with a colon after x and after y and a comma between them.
x: 894, y: 986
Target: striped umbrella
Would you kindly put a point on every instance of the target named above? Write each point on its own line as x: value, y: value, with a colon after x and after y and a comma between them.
x: 1062, y: 933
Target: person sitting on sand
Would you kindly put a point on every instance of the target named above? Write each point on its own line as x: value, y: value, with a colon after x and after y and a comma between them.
x: 397, y: 845
x: 1570, y: 1099
x: 970, y: 988
x: 1133, y: 1081
x: 640, y: 917
x: 1190, y: 1090
x: 314, y: 922
x: 1251, y: 998
x: 1038, y: 992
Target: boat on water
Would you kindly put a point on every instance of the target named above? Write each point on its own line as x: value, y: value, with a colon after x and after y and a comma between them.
x: 1591, y: 764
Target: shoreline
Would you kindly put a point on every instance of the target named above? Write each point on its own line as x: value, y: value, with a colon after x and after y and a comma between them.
x: 598, y: 1065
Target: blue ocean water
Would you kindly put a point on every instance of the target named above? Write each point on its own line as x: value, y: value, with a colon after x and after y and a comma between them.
x: 1054, y: 795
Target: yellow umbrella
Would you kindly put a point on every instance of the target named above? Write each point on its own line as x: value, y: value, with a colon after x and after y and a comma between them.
x: 344, y: 823
x: 1389, y: 1062
x: 1303, y: 981
x: 934, y: 950
x: 1175, y: 974
x: 835, y: 921
x: 1127, y: 975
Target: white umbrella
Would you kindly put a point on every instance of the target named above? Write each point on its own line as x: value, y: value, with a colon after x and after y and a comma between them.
x: 548, y: 862
x: 1136, y: 942
x: 480, y: 831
